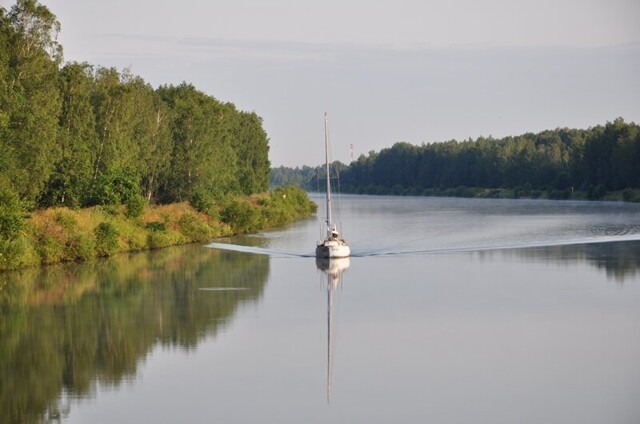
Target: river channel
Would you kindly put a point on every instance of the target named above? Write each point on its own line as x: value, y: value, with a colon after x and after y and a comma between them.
x: 449, y: 311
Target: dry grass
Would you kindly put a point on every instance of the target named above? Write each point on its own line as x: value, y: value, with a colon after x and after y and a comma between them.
x: 66, y: 235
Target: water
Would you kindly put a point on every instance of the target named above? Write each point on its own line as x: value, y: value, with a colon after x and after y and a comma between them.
x: 450, y: 311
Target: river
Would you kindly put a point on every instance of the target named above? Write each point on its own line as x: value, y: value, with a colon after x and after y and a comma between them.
x: 449, y: 311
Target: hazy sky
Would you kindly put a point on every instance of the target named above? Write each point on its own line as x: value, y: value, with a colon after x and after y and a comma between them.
x: 385, y: 71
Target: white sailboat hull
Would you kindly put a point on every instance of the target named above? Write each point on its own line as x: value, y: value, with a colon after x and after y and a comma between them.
x: 333, y: 249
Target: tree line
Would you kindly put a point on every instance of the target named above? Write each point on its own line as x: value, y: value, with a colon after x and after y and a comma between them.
x: 77, y: 135
x: 554, y: 162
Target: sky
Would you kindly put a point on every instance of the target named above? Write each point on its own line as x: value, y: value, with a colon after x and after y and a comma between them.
x: 419, y: 71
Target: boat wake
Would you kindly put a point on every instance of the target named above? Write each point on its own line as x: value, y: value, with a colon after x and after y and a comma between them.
x: 399, y: 251
x: 508, y: 246
x: 259, y: 250
x: 223, y: 288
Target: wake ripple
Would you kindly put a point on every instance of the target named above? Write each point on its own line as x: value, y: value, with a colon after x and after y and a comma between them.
x: 398, y: 251
x: 258, y: 250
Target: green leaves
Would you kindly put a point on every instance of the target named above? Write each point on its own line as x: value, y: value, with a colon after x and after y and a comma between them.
x: 84, y: 135
x: 30, y: 98
x: 556, y: 164
x: 11, y: 214
x: 106, y: 239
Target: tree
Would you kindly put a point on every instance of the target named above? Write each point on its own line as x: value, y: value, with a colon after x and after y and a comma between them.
x: 31, y: 99
x: 252, y: 148
x: 203, y: 159
x: 72, y: 174
x: 603, y: 158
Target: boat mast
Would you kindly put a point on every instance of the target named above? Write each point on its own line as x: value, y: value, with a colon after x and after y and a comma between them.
x: 326, y: 156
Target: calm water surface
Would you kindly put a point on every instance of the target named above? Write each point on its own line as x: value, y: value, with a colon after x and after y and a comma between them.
x: 450, y: 311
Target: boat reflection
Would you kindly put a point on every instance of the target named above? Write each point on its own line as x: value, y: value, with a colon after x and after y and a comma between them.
x: 333, y: 268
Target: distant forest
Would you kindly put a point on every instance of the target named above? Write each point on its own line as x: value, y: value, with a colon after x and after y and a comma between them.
x: 552, y: 164
x: 74, y: 134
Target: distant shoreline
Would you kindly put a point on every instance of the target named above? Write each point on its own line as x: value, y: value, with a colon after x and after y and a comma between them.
x: 627, y: 195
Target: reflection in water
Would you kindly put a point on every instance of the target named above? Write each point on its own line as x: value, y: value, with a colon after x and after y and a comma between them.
x: 619, y: 260
x: 486, y: 347
x: 66, y: 329
x: 333, y: 268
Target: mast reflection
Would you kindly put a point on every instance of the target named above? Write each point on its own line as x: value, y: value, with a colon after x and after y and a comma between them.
x: 333, y: 269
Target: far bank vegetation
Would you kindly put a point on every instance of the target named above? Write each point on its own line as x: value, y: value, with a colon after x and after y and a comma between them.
x: 599, y: 163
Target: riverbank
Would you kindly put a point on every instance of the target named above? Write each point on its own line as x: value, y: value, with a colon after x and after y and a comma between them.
x: 597, y: 193
x: 66, y: 235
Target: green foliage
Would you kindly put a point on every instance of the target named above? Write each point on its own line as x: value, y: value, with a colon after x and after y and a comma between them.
x: 31, y: 98
x: 50, y: 248
x: 11, y: 214
x: 115, y: 187
x: 72, y: 174
x: 195, y: 228
x: 135, y: 205
x: 215, y: 149
x: 63, y: 235
x: 281, y: 206
x: 241, y: 216
x: 630, y: 195
x: 203, y: 202
x: 15, y: 252
x: 82, y: 135
x: 559, y: 194
x: 597, y: 192
x: 159, y: 239
x: 81, y: 247
x: 106, y: 239
x: 286, y: 204
x: 252, y: 147
x: 550, y: 164
x: 156, y: 226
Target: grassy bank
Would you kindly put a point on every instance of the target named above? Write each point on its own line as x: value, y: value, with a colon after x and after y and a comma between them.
x: 64, y: 235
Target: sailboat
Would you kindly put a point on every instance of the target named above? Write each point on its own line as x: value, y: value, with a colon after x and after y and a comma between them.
x: 332, y: 246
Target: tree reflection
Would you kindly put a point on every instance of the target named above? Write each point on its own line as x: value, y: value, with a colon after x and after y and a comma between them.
x: 619, y: 260
x: 67, y: 328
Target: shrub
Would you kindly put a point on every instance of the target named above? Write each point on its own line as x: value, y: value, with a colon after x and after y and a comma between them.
x: 630, y: 195
x: 398, y: 190
x: 157, y: 240
x: 60, y: 234
x: 66, y: 220
x: 241, y: 216
x: 106, y: 239
x: 284, y: 205
x: 535, y: 194
x: 81, y: 248
x: 194, y: 229
x: 11, y: 214
x: 135, y: 205
x: 16, y: 253
x: 110, y: 210
x: 597, y: 192
x: 203, y: 202
x: 156, y: 226
x: 559, y: 194
x: 50, y: 248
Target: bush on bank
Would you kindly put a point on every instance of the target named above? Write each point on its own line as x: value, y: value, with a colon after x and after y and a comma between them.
x: 64, y: 235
